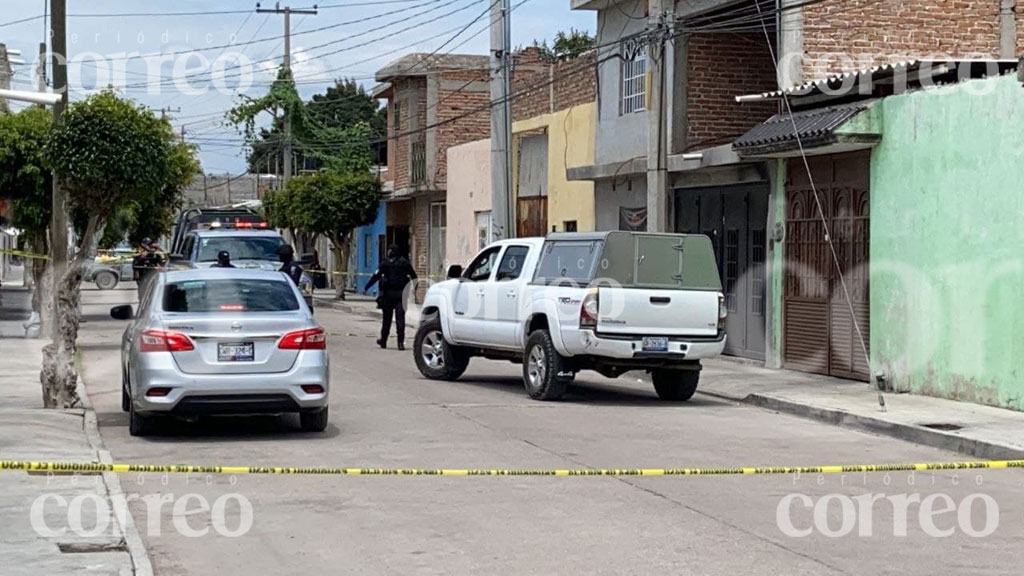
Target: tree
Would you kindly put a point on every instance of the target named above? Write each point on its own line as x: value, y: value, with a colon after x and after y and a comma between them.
x: 567, y: 46
x: 333, y: 204
x: 151, y: 214
x: 107, y: 153
x: 319, y: 126
x: 25, y: 179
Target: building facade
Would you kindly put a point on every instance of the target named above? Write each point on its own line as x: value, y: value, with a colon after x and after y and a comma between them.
x: 433, y: 103
x: 717, y: 50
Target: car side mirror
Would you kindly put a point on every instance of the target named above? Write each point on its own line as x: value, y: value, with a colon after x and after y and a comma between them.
x: 124, y: 312
x: 454, y: 271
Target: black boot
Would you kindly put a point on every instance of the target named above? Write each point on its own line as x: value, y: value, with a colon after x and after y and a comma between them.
x: 401, y: 345
x: 382, y: 343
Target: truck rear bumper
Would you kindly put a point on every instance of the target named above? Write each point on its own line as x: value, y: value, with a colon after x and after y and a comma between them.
x: 631, y: 348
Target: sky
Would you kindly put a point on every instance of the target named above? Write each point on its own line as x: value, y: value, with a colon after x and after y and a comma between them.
x: 361, y: 37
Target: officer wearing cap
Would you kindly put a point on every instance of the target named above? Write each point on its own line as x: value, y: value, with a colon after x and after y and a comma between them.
x: 286, y: 254
x: 223, y: 260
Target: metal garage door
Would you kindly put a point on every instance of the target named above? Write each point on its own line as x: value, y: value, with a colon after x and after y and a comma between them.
x: 734, y: 217
x: 819, y: 334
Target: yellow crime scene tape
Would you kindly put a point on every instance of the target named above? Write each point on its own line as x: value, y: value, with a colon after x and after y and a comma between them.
x: 71, y: 467
x: 25, y: 254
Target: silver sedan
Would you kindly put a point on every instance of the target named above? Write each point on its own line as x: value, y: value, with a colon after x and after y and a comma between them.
x: 222, y: 341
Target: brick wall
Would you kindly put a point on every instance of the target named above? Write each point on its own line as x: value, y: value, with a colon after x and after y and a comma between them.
x: 452, y: 103
x: 411, y: 94
x: 575, y: 81
x: 720, y: 67
x: 870, y: 32
x: 542, y: 86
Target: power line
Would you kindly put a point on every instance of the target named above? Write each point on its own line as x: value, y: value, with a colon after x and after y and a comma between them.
x: 167, y: 82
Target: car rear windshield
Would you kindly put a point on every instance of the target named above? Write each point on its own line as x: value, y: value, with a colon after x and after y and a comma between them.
x: 240, y: 247
x: 230, y: 295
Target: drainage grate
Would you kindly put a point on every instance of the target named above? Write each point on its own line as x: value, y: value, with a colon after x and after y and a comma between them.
x: 943, y: 426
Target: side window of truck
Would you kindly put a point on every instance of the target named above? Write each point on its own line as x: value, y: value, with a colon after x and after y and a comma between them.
x: 512, y: 262
x: 480, y: 269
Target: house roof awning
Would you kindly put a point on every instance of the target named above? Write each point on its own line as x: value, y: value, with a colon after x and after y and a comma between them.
x: 816, y: 128
x: 885, y: 80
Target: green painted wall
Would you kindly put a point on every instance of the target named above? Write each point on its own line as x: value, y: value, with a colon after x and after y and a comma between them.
x: 947, y: 242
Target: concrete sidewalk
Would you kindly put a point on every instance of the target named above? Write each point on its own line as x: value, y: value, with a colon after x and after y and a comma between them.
x: 28, y: 432
x: 969, y: 429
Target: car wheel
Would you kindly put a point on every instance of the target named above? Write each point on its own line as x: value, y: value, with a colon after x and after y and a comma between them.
x: 314, y: 421
x: 126, y: 398
x: 105, y: 280
x: 139, y: 425
x: 435, y: 357
x: 675, y: 385
x: 545, y: 371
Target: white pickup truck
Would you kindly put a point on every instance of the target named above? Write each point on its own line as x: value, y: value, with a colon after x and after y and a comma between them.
x: 608, y: 301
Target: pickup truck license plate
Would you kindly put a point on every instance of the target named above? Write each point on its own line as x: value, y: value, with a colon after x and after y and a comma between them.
x: 235, y: 352
x: 655, y: 344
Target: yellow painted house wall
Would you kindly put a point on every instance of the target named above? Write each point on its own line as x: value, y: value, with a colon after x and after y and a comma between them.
x: 571, y: 137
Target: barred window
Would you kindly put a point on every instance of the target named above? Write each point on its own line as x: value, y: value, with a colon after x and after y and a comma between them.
x: 634, y: 83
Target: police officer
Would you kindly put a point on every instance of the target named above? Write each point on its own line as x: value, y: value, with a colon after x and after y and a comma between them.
x: 394, y: 275
x: 223, y: 260
x: 286, y: 254
x: 146, y: 263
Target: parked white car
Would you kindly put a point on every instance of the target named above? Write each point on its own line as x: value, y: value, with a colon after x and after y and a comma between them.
x: 611, y: 302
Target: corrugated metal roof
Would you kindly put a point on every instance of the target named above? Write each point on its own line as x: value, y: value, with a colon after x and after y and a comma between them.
x: 811, y: 125
x: 937, y: 71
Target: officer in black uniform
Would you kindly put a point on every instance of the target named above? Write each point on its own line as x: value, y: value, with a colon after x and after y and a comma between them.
x: 223, y: 260
x: 394, y: 276
x: 146, y: 263
x: 286, y: 254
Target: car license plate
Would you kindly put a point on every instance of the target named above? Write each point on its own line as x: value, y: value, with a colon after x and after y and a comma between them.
x: 655, y: 344
x: 235, y: 352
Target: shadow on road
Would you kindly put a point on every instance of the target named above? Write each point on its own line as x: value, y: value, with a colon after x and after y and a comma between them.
x: 588, y: 393
x: 223, y: 428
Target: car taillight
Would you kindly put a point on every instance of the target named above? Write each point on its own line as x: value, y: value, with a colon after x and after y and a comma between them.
x: 723, y: 311
x: 312, y: 339
x: 164, y: 341
x: 588, y: 310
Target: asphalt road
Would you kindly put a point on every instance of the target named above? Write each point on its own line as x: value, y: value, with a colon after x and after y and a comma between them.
x: 385, y: 415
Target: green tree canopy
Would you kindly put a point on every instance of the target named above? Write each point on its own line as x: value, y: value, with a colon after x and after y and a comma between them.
x: 25, y: 176
x: 333, y: 130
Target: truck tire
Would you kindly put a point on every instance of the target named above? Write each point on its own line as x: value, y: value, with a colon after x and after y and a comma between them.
x: 675, y: 385
x: 435, y: 357
x: 544, y: 369
x: 105, y: 280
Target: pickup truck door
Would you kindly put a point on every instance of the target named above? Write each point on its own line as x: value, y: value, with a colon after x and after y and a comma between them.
x: 507, y: 290
x: 469, y: 322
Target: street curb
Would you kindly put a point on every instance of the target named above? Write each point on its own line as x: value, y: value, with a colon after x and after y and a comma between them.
x: 908, y: 432
x: 358, y: 310
x: 141, y: 566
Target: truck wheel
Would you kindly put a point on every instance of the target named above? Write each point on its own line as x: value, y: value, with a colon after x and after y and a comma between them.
x: 544, y: 369
x: 435, y: 358
x: 675, y: 385
x: 105, y: 280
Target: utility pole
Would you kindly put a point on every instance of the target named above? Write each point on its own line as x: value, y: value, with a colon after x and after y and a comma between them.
x: 657, y: 143
x: 41, y: 69
x: 287, y: 11
x: 59, y: 216
x: 503, y: 208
